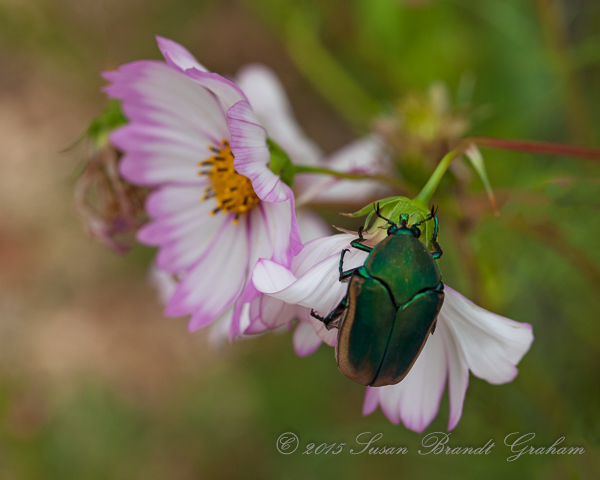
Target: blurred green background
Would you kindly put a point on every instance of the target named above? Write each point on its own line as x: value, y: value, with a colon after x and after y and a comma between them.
x: 96, y: 384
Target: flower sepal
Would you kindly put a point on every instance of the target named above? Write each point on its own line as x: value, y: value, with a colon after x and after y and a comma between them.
x: 280, y: 163
x: 391, y: 208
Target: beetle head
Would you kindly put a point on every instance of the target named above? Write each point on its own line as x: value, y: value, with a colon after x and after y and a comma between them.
x: 403, y: 228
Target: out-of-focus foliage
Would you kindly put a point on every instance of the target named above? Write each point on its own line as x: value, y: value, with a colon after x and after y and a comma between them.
x: 85, y: 395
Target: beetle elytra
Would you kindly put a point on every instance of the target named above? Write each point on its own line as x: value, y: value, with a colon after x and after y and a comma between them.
x: 391, y: 305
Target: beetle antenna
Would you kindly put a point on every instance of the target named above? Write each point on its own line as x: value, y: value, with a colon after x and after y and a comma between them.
x: 429, y: 217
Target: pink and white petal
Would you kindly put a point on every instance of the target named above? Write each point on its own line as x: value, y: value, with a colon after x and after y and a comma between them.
x: 173, y: 121
x: 305, y: 340
x: 218, y: 333
x: 164, y: 282
x: 275, y: 313
x: 216, y: 280
x: 372, y: 401
x: 177, y: 56
x: 157, y: 95
x: 270, y: 277
x: 458, y: 374
x: 387, y: 398
x: 252, y: 156
x: 272, y: 108
x: 171, y: 199
x: 312, y: 225
x: 422, y: 388
x: 183, y: 237
x: 491, y: 345
x: 321, y: 248
x: 282, y: 229
x: 313, y: 290
x: 327, y: 336
x: 227, y: 92
x: 416, y: 399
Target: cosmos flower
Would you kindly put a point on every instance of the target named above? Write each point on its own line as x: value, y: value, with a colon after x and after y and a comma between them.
x: 216, y: 207
x: 467, y: 337
x: 178, y: 110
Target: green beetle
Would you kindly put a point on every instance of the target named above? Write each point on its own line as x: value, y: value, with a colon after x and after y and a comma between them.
x: 391, y: 305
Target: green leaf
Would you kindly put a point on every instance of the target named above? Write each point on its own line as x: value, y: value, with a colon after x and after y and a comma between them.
x: 474, y: 156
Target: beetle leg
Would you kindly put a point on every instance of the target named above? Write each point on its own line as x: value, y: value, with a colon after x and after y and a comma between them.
x: 437, y: 252
x: 358, y: 245
x: 333, y: 319
x: 361, y: 229
x: 347, y: 274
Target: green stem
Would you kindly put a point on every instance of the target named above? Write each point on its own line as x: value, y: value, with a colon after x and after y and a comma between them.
x: 350, y: 176
x: 525, y: 146
x: 430, y: 187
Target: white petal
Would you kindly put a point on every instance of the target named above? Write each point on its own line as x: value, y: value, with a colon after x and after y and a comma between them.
x: 416, y: 399
x: 269, y: 101
x: 312, y: 225
x: 458, y: 374
x: 422, y: 388
x: 270, y: 277
x: 367, y: 155
x: 491, y: 345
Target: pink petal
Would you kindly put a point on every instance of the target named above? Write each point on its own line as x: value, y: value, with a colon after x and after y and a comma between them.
x: 177, y: 56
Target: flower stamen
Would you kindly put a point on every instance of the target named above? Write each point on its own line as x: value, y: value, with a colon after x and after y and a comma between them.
x: 233, y: 191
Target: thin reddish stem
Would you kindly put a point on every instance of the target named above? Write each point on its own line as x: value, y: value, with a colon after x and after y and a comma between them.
x: 535, y: 147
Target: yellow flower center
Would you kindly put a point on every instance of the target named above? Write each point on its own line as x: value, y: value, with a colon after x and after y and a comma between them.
x: 234, y: 192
